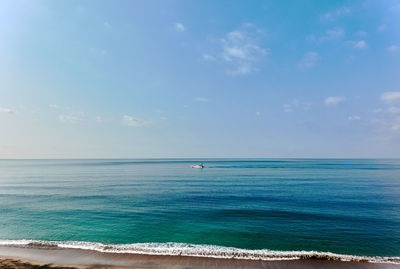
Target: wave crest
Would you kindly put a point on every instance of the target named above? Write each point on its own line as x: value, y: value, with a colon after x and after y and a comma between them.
x: 193, y: 250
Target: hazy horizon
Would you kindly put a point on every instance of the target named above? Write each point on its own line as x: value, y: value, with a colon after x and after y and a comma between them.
x: 204, y: 159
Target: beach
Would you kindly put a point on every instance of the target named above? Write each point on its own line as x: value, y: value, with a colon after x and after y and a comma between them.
x: 27, y: 258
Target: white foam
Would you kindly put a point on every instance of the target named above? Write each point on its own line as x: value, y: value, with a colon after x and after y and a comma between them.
x: 193, y: 250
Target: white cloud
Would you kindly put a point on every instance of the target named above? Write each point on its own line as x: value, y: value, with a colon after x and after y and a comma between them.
x: 360, y: 44
x: 99, y: 119
x: 70, y: 119
x: 336, y: 13
x: 240, y: 50
x: 239, y: 45
x: 388, y: 124
x: 179, y: 27
x: 391, y: 97
x: 6, y: 110
x: 389, y: 119
x: 309, y: 60
x: 393, y: 110
x: 354, y: 118
x: 258, y: 113
x: 393, y: 48
x: 242, y: 69
x: 378, y: 110
x: 208, y: 57
x: 295, y: 104
x: 53, y: 106
x: 201, y: 99
x: 331, y: 34
x: 334, y: 33
x: 334, y: 100
x: 287, y: 108
x: 134, y: 122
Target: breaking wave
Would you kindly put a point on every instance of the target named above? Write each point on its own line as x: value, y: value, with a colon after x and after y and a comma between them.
x: 193, y: 250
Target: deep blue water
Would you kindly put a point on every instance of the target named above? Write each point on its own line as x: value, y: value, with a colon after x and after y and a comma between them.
x: 344, y: 206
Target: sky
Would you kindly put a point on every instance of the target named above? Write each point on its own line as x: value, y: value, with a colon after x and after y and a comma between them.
x: 199, y: 79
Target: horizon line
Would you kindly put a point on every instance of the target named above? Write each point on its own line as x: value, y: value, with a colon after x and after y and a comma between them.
x: 208, y: 158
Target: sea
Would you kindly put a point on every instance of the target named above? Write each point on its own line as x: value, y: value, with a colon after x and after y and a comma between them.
x: 268, y: 209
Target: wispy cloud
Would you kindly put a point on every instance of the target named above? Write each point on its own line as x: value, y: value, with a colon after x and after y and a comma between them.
x: 208, y: 57
x: 393, y: 48
x: 388, y: 119
x: 296, y: 104
x: 70, y: 119
x: 334, y: 100
x: 354, y: 118
x: 393, y: 110
x: 258, y: 113
x: 395, y: 7
x: 362, y: 33
x: 159, y: 111
x: 330, y: 34
x: 99, y: 119
x: 388, y: 124
x: 287, y: 108
x: 53, y: 106
x: 179, y: 27
x: 6, y: 110
x: 201, y: 99
x: 135, y: 122
x: 329, y: 16
x: 309, y: 60
x: 360, y: 44
x: 333, y: 33
x: 391, y: 97
x: 382, y: 27
x: 240, y: 49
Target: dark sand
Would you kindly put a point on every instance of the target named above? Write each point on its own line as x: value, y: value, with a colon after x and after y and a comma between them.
x: 29, y: 258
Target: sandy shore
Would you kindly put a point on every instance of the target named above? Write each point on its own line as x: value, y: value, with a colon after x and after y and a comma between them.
x: 35, y: 258
x: 18, y: 263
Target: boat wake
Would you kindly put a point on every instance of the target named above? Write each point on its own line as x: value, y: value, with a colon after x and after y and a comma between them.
x: 193, y: 250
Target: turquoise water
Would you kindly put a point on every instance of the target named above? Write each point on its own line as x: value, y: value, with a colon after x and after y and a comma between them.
x: 340, y: 206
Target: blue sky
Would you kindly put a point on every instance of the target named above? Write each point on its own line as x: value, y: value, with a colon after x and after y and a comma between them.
x: 153, y: 79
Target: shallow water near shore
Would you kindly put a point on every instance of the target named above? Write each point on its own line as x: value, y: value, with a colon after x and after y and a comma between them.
x: 347, y: 207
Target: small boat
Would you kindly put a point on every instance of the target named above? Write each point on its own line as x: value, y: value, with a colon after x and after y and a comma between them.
x: 200, y: 165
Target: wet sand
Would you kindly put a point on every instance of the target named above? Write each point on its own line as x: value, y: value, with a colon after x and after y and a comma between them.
x: 30, y: 258
x: 17, y: 263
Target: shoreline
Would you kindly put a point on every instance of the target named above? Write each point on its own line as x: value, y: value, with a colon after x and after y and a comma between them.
x: 174, y: 249
x: 62, y: 258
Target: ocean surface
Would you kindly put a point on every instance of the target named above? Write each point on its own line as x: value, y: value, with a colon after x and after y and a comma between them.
x: 241, y: 208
